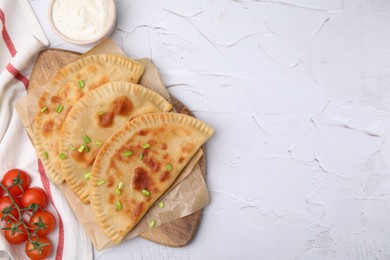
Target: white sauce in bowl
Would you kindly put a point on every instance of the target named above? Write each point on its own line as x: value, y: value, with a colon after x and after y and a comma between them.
x: 81, y: 20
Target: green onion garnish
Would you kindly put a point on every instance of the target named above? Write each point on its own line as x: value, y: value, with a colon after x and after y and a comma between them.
x: 46, y: 155
x: 81, y: 148
x: 87, y: 148
x: 62, y: 156
x: 145, y: 192
x: 98, y: 143
x: 71, y: 147
x: 141, y: 156
x: 86, y: 139
x: 118, y: 205
x: 59, y: 108
x: 152, y: 223
x: 120, y: 188
x: 101, y: 113
x: 43, y: 109
x: 81, y: 84
x: 127, y: 153
x: 169, y: 167
x: 87, y: 176
x: 161, y: 204
x: 101, y: 182
x: 146, y: 146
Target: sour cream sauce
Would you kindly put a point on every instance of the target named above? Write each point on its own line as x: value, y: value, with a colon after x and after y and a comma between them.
x: 81, y: 20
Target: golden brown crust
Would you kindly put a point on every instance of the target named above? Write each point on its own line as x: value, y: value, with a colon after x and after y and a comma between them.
x: 161, y: 145
x: 68, y: 86
x: 123, y: 101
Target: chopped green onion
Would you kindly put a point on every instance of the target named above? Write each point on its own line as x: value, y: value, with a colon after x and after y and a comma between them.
x: 120, y: 188
x: 101, y: 182
x: 43, y: 109
x: 81, y: 148
x: 81, y: 84
x: 169, y: 167
x: 141, y: 156
x: 86, y: 139
x: 161, y: 204
x: 87, y: 176
x: 59, y: 108
x: 152, y: 223
x: 101, y: 113
x: 145, y: 192
x: 127, y: 153
x: 87, y: 148
x: 46, y: 155
x: 98, y: 143
x: 146, y: 146
x: 118, y: 205
x: 62, y: 156
x: 71, y: 147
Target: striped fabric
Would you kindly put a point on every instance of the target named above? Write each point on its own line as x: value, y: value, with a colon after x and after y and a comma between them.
x: 21, y: 40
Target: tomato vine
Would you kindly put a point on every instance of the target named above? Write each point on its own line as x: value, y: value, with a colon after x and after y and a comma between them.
x: 19, y: 201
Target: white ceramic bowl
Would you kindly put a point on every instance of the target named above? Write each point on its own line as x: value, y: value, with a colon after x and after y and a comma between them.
x: 109, y: 27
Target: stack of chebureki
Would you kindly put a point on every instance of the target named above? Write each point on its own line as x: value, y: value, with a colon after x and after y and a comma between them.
x: 114, y: 142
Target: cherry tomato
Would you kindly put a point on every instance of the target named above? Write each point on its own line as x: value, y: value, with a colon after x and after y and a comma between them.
x: 15, y: 232
x: 40, y: 248
x: 18, y: 179
x: 43, y: 222
x: 35, y: 196
x: 7, y: 208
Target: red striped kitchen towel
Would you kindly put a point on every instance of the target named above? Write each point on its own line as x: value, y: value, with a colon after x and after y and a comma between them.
x: 20, y: 41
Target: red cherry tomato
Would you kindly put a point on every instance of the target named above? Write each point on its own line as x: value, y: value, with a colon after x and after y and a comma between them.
x: 15, y: 232
x: 17, y: 181
x: 34, y: 197
x: 8, y: 209
x: 42, y: 222
x: 41, y: 250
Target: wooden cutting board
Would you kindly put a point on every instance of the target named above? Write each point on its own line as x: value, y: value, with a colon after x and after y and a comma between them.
x: 177, y: 233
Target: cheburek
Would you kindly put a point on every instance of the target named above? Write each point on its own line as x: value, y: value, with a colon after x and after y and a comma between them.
x: 138, y: 164
x: 93, y: 119
x: 66, y: 88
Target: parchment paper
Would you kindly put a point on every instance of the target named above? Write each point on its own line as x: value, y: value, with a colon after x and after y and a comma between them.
x: 186, y: 196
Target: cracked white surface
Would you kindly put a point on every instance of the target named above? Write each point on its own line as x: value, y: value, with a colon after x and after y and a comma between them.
x: 298, y: 92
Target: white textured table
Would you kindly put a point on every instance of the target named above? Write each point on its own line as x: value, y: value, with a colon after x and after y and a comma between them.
x: 299, y: 95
